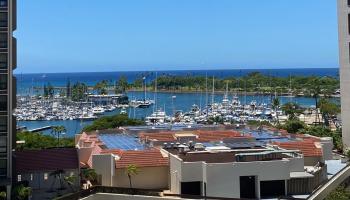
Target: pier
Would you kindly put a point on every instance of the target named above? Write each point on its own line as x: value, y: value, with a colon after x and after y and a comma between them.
x: 40, y: 129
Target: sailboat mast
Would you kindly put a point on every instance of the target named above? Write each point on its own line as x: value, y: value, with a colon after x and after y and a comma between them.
x: 206, y: 93
x: 155, y: 92
x: 212, y: 95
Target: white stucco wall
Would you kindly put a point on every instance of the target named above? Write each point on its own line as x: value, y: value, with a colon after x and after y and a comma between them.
x: 104, y: 165
x: 222, y: 179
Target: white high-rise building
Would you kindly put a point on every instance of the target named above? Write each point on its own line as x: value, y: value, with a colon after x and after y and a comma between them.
x: 344, y: 61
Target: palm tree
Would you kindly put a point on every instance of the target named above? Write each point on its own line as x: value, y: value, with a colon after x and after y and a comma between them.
x: 316, y: 91
x: 2, y: 195
x: 57, y: 131
x: 21, y: 192
x: 89, y: 174
x: 57, y: 174
x: 275, y: 106
x: 70, y: 180
x: 131, y: 170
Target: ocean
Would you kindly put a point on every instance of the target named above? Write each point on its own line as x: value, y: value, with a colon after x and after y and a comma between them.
x: 26, y: 81
x: 183, y: 101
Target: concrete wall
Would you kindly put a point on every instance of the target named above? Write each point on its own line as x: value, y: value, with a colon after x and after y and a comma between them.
x: 344, y: 61
x: 104, y: 196
x: 222, y: 179
x: 147, y: 178
x: 104, y: 166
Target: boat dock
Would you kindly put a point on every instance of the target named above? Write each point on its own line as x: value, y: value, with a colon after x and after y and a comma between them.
x: 40, y: 129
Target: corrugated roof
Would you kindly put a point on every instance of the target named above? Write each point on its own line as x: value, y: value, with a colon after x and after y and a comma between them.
x: 46, y: 159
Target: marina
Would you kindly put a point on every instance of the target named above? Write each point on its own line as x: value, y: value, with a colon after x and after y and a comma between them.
x: 182, y: 103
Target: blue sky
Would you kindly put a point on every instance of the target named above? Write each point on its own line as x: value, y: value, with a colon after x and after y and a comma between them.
x: 115, y: 35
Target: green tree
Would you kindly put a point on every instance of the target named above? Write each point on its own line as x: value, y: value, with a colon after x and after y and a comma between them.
x: 89, y: 175
x: 58, y: 176
x: 21, y: 192
x: 275, y: 106
x: 57, y: 131
x: 3, y: 195
x: 79, y: 91
x: 42, y: 141
x: 68, y: 89
x: 293, y: 126
x: 101, y: 87
x: 50, y: 90
x: 131, y: 170
x: 328, y: 109
x: 340, y: 193
x: 114, y: 121
x: 292, y: 109
x: 70, y: 180
x: 121, y: 85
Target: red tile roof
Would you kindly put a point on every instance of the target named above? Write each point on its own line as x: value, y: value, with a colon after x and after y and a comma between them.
x: 161, y: 136
x: 146, y: 158
x: 208, y: 136
x: 307, y: 147
x: 46, y: 159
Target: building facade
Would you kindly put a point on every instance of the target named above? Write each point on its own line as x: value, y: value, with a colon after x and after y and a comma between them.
x: 7, y: 90
x: 344, y: 61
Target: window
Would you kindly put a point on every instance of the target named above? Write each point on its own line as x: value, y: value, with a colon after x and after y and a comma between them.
x: 3, y: 144
x: 3, y: 3
x: 3, y: 40
x: 348, y: 2
x: 71, y: 174
x: 3, y: 19
x: 3, y: 103
x: 19, y: 178
x: 3, y: 167
x: 31, y: 177
x: 3, y: 124
x: 46, y: 176
x: 3, y: 81
x: 3, y: 61
x: 349, y: 23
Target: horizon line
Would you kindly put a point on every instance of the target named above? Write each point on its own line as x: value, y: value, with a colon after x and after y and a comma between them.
x: 221, y: 69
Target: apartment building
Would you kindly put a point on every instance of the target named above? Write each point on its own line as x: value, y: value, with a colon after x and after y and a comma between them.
x: 344, y: 61
x: 7, y: 91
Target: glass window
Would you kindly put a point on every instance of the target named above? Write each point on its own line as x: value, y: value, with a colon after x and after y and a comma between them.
x: 3, y: 40
x: 31, y: 177
x: 3, y: 61
x: 3, y: 3
x: 46, y: 176
x: 3, y: 166
x: 3, y: 123
x: 3, y: 82
x: 3, y: 19
x: 3, y: 103
x: 19, y: 178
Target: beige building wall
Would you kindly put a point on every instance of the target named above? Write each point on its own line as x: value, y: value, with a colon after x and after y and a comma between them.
x: 147, y: 178
x: 344, y: 61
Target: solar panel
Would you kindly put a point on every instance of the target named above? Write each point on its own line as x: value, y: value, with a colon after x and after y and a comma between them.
x: 124, y: 142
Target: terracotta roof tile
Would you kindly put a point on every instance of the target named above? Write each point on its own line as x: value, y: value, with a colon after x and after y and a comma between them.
x: 161, y: 136
x: 210, y: 136
x: 146, y: 158
x: 307, y: 147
